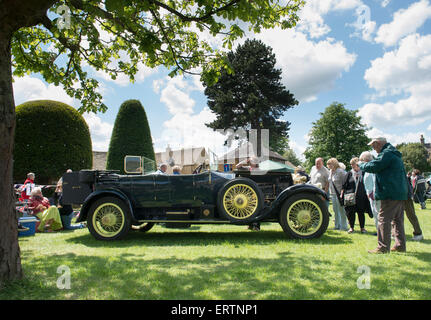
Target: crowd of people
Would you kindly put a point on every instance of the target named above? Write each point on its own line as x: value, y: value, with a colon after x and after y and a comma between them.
x: 52, y: 214
x: 377, y: 186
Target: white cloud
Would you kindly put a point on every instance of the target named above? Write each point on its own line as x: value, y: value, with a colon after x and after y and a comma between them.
x: 30, y: 88
x: 175, y: 93
x: 185, y: 128
x: 412, y: 111
x: 402, y: 68
x: 100, y: 131
x: 364, y: 26
x: 405, y: 71
x: 405, y: 22
x: 312, y: 15
x: 308, y: 67
x: 395, y: 139
x: 298, y: 149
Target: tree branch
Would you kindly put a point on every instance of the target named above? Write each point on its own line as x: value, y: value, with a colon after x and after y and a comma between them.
x: 195, y: 19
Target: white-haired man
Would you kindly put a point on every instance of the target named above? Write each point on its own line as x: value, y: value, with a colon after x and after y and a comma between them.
x: 391, y: 190
x: 162, y: 169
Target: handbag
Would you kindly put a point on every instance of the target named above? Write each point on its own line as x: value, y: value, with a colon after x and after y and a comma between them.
x: 350, y: 198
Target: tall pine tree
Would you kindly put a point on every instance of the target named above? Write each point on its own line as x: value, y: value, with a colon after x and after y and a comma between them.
x: 251, y: 95
x: 131, y: 135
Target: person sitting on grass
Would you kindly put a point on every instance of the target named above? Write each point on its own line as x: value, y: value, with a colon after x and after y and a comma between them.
x: 49, y: 216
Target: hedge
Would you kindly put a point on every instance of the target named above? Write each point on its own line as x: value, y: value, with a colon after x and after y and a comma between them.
x: 50, y: 137
x: 131, y: 135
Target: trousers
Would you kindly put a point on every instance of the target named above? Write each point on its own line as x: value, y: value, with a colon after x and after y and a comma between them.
x: 391, y: 217
x: 411, y: 215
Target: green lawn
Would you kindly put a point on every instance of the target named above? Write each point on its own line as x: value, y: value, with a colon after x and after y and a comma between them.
x: 222, y: 262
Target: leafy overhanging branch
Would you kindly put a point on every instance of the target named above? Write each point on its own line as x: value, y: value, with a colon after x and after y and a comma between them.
x: 148, y: 32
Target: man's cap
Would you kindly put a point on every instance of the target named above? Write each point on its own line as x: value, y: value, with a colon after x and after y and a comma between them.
x: 379, y: 139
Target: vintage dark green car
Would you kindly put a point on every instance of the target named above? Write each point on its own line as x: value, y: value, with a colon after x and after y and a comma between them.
x: 113, y: 204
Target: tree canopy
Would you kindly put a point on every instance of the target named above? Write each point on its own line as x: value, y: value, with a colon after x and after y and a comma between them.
x: 291, y: 156
x: 338, y: 133
x: 250, y: 94
x: 415, y: 156
x: 119, y: 36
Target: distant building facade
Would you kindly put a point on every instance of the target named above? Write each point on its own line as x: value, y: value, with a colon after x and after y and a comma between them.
x: 99, y: 160
x: 187, y: 159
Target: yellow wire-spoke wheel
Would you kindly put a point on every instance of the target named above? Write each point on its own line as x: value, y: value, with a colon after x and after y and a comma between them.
x: 304, y: 217
x: 240, y: 201
x: 108, y: 220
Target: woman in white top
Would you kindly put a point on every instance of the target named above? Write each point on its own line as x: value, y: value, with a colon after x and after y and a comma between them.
x: 370, y: 186
x: 336, y: 179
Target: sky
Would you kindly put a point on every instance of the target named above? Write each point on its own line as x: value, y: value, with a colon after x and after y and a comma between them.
x: 374, y: 56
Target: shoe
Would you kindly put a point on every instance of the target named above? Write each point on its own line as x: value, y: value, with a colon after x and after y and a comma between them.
x: 350, y: 230
x: 363, y: 230
x: 378, y: 251
x: 21, y: 228
x: 375, y: 234
x: 418, y: 237
x: 398, y: 249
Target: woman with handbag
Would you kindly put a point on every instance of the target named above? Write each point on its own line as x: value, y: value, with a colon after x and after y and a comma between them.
x: 336, y: 178
x: 355, y: 197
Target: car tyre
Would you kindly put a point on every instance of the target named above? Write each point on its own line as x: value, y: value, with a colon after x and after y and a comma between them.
x: 239, y: 199
x: 304, y: 216
x: 109, y: 218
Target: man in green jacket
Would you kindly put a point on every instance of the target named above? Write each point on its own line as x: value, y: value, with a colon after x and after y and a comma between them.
x: 391, y: 190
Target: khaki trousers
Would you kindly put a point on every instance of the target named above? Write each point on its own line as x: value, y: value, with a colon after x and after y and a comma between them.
x: 391, y: 216
x: 411, y: 215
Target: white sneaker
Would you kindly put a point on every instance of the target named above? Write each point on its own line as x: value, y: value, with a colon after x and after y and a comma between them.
x: 418, y: 237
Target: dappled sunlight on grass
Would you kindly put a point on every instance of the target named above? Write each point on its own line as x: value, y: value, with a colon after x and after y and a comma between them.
x: 222, y: 262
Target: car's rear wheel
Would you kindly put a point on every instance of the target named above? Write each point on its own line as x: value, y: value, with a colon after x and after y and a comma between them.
x: 304, y: 216
x: 239, y: 199
x: 109, y: 218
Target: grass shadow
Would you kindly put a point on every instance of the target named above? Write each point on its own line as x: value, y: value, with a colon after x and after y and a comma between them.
x: 193, y: 238
x: 135, y: 276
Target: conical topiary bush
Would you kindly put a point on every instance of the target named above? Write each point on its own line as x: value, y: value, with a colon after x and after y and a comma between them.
x: 131, y: 136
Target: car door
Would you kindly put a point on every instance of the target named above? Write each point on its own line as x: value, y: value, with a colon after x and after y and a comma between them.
x: 162, y: 190
x: 143, y: 190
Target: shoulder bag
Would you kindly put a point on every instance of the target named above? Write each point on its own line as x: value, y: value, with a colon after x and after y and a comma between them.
x: 350, y: 198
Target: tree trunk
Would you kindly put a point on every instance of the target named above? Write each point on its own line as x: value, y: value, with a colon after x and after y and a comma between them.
x: 10, y: 261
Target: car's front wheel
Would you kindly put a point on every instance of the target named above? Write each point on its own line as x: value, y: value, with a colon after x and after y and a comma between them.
x: 304, y: 216
x: 109, y: 218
